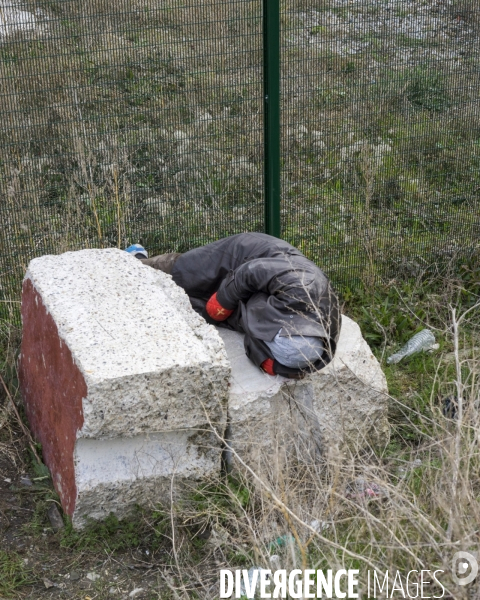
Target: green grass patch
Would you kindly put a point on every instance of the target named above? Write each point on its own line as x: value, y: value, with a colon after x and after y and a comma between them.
x: 14, y: 575
x: 144, y: 528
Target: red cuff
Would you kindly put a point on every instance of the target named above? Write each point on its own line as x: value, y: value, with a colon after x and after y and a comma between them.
x: 267, y: 366
x: 216, y: 311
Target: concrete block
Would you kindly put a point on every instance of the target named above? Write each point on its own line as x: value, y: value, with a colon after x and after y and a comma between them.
x: 255, y: 406
x: 115, y: 474
x: 112, y: 350
x: 342, y: 405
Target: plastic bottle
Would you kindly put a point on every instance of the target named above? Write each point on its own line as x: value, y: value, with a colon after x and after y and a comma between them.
x: 423, y: 340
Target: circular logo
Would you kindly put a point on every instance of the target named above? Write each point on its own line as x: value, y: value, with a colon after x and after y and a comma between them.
x: 464, y: 568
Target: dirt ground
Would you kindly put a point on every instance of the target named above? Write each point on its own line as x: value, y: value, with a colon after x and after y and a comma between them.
x: 44, y: 567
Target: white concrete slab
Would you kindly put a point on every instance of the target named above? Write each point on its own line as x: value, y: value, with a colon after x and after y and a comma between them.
x: 146, y: 356
x: 344, y: 404
x: 112, y: 475
x: 123, y: 382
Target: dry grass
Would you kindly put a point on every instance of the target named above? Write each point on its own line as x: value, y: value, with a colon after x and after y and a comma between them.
x: 264, y: 515
x: 429, y: 508
x: 11, y: 443
x: 147, y: 126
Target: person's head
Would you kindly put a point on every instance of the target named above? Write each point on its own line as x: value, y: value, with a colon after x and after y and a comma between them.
x: 296, y: 351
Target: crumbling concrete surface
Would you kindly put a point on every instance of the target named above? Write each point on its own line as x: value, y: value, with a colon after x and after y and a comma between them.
x: 126, y: 388
x: 122, y: 381
x: 343, y: 405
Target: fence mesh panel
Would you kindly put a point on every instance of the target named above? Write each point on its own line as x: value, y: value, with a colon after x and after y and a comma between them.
x: 381, y: 133
x: 125, y: 122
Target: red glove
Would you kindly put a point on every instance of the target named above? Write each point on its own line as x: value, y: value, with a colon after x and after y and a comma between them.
x: 267, y: 366
x: 216, y: 311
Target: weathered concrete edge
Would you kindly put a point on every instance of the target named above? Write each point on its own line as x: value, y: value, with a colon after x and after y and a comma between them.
x: 115, y: 475
x: 214, y: 376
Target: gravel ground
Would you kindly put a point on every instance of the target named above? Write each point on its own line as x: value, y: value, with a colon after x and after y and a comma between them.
x: 403, y: 32
x: 59, y: 572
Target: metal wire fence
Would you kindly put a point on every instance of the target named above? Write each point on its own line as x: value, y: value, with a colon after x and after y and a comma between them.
x: 381, y: 136
x: 142, y: 121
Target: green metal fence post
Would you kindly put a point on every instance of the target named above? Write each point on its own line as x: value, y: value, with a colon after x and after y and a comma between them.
x: 271, y: 99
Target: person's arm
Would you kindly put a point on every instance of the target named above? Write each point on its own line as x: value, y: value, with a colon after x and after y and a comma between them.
x: 257, y: 275
x: 269, y: 275
x: 274, y: 276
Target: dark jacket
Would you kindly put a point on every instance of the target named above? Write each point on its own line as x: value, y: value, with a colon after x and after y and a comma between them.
x: 270, y: 285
